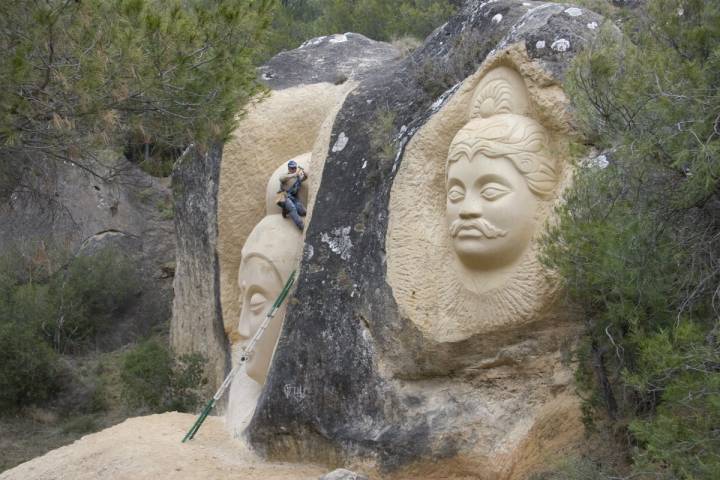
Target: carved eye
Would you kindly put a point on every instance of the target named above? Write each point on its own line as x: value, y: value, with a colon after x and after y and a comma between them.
x: 493, y: 191
x: 456, y: 193
x: 257, y: 302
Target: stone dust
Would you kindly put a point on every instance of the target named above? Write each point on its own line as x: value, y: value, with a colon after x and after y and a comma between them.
x: 150, y: 448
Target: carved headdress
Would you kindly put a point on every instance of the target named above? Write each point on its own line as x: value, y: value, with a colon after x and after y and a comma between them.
x: 499, y: 126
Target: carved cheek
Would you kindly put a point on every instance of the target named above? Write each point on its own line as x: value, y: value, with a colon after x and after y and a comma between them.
x: 522, y: 219
x: 510, y: 206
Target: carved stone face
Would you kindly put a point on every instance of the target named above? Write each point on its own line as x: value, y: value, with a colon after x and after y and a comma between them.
x: 269, y: 255
x: 491, y: 210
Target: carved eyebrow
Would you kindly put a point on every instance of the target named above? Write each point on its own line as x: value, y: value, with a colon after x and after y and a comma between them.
x: 493, y: 178
x: 454, y: 182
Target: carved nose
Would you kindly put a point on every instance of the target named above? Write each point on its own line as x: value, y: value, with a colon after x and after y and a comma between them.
x: 470, y: 210
x: 244, y: 326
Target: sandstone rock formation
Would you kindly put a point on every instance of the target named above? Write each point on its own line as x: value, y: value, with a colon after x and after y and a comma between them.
x: 196, y: 324
x: 307, y: 86
x: 423, y: 335
x: 401, y: 346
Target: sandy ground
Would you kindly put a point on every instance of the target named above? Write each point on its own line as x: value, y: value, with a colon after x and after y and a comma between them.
x: 150, y: 448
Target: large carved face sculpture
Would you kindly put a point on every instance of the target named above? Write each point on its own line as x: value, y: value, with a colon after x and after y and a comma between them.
x: 497, y: 171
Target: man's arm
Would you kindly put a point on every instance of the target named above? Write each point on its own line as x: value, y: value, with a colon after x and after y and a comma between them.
x: 287, y: 176
x: 303, y: 173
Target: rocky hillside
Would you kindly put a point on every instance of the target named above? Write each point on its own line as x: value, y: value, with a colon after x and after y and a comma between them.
x: 64, y: 208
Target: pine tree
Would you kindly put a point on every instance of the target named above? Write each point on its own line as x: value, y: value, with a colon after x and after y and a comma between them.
x: 77, y: 77
x: 638, y: 241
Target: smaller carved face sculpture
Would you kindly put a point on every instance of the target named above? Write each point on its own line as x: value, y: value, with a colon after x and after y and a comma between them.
x: 268, y: 257
x: 496, y: 173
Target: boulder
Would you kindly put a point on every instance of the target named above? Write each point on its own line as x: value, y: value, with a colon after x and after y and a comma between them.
x: 219, y: 202
x: 369, y: 366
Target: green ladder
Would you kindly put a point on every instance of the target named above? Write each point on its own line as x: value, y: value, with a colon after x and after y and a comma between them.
x: 244, y: 357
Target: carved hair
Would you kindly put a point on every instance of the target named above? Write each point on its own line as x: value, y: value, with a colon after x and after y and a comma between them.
x: 520, y: 139
x: 276, y: 240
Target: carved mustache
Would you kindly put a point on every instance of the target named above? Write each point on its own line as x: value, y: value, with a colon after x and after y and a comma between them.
x: 486, y: 228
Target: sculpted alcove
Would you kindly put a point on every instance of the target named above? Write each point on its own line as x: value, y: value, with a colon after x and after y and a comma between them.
x: 258, y: 248
x: 488, y: 168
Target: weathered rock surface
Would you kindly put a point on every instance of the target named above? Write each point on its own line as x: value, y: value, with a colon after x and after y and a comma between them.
x: 352, y: 377
x: 196, y: 325
x: 329, y: 59
x: 71, y: 209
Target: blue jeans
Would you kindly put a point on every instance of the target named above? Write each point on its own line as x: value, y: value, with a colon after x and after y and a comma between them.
x: 295, y: 209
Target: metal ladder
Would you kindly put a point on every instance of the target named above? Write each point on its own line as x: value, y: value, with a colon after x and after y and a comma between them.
x: 244, y: 357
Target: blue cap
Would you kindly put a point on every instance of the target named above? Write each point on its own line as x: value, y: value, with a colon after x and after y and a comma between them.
x: 292, y: 164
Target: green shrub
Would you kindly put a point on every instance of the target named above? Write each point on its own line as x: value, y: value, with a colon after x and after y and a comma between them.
x: 146, y: 375
x: 61, y: 311
x: 166, y: 209
x: 684, y: 365
x: 86, y: 298
x: 28, y: 367
x: 574, y: 469
x: 72, y: 306
x: 158, y: 168
x: 381, y: 134
x: 637, y: 242
x: 153, y: 380
x: 186, y: 386
x: 296, y: 21
x: 80, y: 424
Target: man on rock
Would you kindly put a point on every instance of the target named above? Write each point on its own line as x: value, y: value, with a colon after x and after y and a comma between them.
x: 288, y: 198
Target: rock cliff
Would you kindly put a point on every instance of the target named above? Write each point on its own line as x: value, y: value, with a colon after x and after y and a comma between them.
x: 63, y: 207
x: 196, y: 324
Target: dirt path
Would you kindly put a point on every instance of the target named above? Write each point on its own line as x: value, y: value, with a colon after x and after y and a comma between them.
x: 149, y: 448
